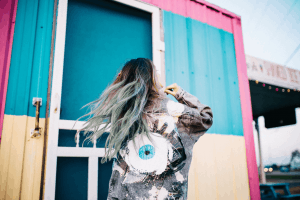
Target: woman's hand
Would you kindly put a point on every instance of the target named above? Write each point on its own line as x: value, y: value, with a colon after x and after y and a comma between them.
x: 172, y: 89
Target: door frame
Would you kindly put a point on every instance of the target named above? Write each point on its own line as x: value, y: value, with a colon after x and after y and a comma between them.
x: 53, y: 151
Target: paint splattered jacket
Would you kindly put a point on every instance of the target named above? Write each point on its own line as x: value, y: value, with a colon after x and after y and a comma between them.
x: 157, y: 168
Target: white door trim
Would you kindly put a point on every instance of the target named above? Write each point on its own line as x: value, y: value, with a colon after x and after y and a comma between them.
x: 79, y: 152
x: 53, y: 151
x: 55, y: 100
x: 93, y: 178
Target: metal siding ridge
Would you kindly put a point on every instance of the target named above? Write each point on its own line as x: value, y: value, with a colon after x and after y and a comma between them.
x: 237, y: 122
x: 219, y: 91
x: 17, y: 101
x: 7, y: 24
x: 201, y: 59
x: 199, y: 10
x: 169, y: 45
x: 181, y: 55
x: 191, y: 55
x: 227, y: 83
x: 30, y: 58
x: 246, y: 110
x: 198, y: 44
x: 220, y: 49
x: 41, y: 55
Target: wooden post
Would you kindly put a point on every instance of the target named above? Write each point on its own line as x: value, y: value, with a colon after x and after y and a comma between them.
x: 261, y: 165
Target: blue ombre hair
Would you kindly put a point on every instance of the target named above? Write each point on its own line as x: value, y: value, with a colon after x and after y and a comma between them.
x: 125, y: 106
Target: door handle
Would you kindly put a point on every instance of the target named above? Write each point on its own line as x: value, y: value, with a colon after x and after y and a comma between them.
x: 36, y: 132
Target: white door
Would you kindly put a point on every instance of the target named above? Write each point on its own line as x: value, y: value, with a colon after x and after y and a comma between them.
x: 92, y: 43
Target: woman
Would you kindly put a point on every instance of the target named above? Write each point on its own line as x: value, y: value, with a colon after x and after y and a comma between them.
x: 151, y: 137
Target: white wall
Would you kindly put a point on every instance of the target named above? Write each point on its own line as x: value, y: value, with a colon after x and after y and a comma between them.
x: 277, y: 144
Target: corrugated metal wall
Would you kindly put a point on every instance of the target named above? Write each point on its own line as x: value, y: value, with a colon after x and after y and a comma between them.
x: 21, y: 156
x: 7, y: 26
x: 28, y: 75
x: 215, y: 16
x: 201, y: 59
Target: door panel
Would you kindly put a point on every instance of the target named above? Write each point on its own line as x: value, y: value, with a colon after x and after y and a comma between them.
x: 104, y: 173
x: 93, y: 41
x: 66, y: 138
x: 100, y: 37
x: 71, y: 178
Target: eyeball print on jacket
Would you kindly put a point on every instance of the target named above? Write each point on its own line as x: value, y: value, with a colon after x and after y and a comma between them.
x: 148, y: 156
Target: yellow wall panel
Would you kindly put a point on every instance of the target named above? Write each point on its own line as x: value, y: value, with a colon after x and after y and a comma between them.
x: 224, y: 172
x: 5, y: 153
x: 21, y: 159
x: 219, y: 169
x: 204, y: 185
x: 33, y: 156
x: 13, y: 169
x: 239, y: 162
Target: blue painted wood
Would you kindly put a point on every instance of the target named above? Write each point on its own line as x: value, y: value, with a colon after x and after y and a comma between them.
x: 104, y: 173
x: 201, y: 59
x: 100, y: 38
x: 29, y: 69
x: 66, y: 138
x: 71, y: 178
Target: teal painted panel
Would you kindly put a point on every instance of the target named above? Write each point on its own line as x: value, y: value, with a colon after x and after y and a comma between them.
x: 233, y: 95
x: 201, y: 59
x: 71, y: 178
x: 66, y: 138
x: 100, y: 38
x: 28, y: 74
x: 104, y: 174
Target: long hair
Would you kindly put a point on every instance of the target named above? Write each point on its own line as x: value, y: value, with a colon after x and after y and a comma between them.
x: 124, y: 106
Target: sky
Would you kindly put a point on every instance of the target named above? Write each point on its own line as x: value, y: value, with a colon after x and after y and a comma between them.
x: 271, y: 28
x: 271, y: 31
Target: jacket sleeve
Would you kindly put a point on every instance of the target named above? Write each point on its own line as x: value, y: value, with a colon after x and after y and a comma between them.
x: 193, y: 116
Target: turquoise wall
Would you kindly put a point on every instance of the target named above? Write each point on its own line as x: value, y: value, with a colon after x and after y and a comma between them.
x: 29, y: 68
x: 100, y: 37
x: 201, y: 59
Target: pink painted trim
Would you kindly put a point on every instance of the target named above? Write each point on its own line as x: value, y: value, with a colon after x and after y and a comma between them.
x: 199, y: 10
x: 246, y: 110
x: 218, y: 8
x: 7, y: 26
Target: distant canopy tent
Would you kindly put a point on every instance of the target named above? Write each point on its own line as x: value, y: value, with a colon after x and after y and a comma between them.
x: 275, y: 92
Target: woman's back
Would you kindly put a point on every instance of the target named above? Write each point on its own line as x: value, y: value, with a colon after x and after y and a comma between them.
x: 157, y: 168
x: 151, y: 137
